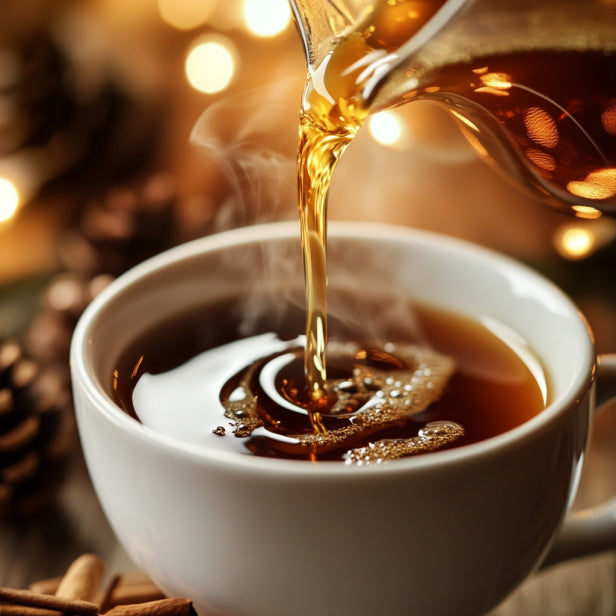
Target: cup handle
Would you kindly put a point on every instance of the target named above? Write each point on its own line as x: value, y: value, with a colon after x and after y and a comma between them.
x: 591, y: 530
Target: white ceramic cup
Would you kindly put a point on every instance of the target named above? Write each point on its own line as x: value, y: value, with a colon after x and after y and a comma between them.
x: 445, y: 533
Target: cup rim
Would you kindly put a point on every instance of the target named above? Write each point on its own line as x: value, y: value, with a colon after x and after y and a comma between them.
x: 103, y: 405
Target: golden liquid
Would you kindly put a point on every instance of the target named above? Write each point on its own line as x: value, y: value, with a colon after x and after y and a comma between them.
x: 547, y: 117
x: 332, y: 112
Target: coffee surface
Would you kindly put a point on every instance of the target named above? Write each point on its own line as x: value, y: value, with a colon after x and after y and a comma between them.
x: 452, y: 382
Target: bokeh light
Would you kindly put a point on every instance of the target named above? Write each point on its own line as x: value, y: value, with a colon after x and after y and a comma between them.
x: 266, y: 18
x: 541, y: 127
x: 389, y: 129
x: 575, y: 243
x: 211, y: 63
x: 540, y: 159
x: 608, y: 120
x: 9, y: 200
x: 600, y: 184
x: 586, y: 211
x: 499, y: 81
x: 186, y: 14
x: 496, y: 84
x: 227, y: 16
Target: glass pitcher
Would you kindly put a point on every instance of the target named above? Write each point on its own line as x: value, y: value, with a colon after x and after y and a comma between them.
x: 531, y: 83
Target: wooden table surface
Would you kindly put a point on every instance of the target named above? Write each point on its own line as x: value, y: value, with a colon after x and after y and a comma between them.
x: 44, y: 545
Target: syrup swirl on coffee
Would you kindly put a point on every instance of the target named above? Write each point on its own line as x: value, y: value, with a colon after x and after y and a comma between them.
x: 368, y: 390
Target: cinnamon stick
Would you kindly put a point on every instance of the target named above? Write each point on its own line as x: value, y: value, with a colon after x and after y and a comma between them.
x: 7, y: 609
x: 74, y: 595
x: 82, y: 579
x: 132, y: 578
x: 128, y: 588
x: 48, y: 602
x: 161, y: 607
x: 133, y: 587
x: 48, y: 586
x: 104, y: 601
x: 123, y: 594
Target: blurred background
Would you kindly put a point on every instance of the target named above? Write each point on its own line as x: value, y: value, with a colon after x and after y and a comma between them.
x: 129, y: 127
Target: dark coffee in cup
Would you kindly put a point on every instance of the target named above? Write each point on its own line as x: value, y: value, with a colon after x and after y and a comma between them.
x: 447, y: 381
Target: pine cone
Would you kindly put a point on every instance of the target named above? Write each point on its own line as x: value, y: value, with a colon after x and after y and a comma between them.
x: 48, y: 337
x: 123, y: 228
x: 36, y: 431
x: 36, y: 86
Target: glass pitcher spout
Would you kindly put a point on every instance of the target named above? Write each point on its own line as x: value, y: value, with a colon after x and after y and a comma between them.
x: 322, y: 24
x: 532, y: 83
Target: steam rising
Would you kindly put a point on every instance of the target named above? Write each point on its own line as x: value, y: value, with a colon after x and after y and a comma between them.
x: 365, y: 301
x: 252, y: 140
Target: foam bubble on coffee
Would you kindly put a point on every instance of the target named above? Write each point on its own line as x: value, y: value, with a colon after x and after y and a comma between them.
x: 432, y: 437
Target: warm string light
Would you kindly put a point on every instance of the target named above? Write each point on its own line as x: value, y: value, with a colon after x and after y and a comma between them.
x: 211, y: 63
x: 212, y: 60
x: 266, y: 18
x: 586, y: 211
x: 191, y: 14
x: 186, y: 14
x: 600, y: 184
x: 575, y: 241
x: 9, y: 200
